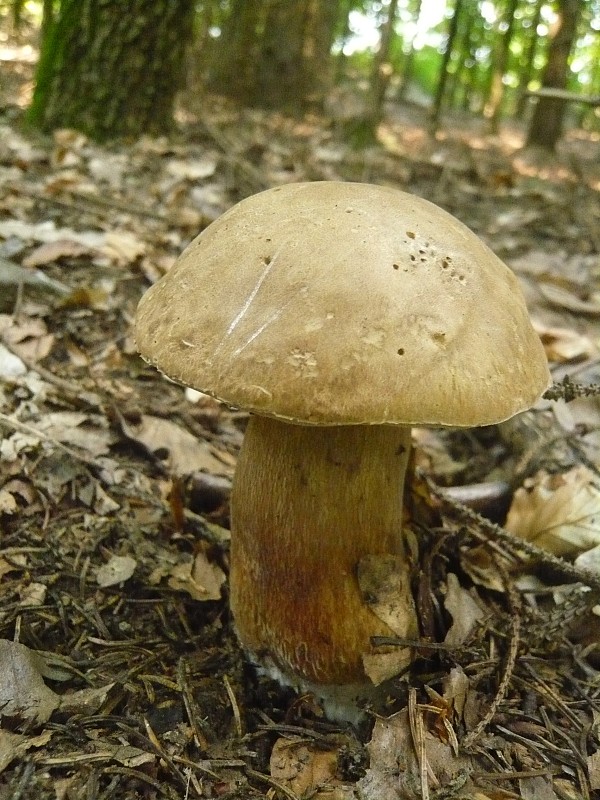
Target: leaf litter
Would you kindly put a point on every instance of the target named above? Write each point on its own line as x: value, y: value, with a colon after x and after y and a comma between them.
x: 120, y: 672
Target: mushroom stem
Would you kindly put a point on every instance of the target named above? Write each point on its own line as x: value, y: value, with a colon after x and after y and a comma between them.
x: 308, y: 503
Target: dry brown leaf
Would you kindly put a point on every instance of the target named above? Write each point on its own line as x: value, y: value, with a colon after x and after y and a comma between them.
x: 593, y: 764
x: 8, y: 503
x: 479, y: 565
x: 103, y: 502
x: 385, y: 581
x: 302, y: 766
x: 27, y: 336
x: 537, y: 788
x: 394, y: 772
x: 200, y: 578
x: 184, y: 453
x: 563, y: 298
x: 15, y: 745
x: 73, y: 428
x: 464, y: 610
x: 33, y: 594
x: 560, y: 513
x: 565, y: 344
x: 23, y: 693
x: 116, y: 570
x: 49, y: 252
x: 456, y: 690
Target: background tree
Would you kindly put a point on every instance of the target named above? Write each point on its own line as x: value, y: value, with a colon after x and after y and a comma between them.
x: 453, y: 28
x: 530, y: 39
x: 112, y: 69
x: 500, y: 63
x: 276, y: 53
x: 546, y: 124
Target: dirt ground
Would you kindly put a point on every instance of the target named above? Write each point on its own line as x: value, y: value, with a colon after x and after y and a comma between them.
x: 121, y: 675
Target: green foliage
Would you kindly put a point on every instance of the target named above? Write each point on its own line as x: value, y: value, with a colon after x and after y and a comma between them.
x: 426, y: 66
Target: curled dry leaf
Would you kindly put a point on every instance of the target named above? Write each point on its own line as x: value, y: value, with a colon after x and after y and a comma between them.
x: 23, y: 693
x: 464, y: 610
x: 560, y: 513
x: 53, y: 251
x: 200, y: 578
x: 25, y: 697
x: 302, y: 766
x: 565, y: 344
x: 383, y: 580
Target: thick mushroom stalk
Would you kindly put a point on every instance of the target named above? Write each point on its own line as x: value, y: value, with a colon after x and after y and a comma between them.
x: 308, y: 504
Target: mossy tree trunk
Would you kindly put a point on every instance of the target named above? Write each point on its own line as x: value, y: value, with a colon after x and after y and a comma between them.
x: 110, y: 68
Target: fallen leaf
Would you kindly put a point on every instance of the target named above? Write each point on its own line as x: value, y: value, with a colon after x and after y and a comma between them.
x: 384, y: 582
x: 23, y: 693
x: 28, y: 337
x: 181, y: 450
x: 77, y: 429
x: 537, y: 788
x: 199, y: 577
x: 12, y: 274
x: 464, y: 610
x: 15, y: 745
x: 85, y: 701
x: 565, y: 344
x: 116, y: 570
x: 103, y: 502
x: 593, y: 764
x: 301, y: 765
x: 49, y: 252
x: 394, y: 772
x: 193, y: 169
x: 8, y: 504
x: 33, y: 594
x: 560, y: 513
x: 11, y: 366
x: 563, y: 298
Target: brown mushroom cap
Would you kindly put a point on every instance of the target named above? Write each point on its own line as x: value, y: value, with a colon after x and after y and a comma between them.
x: 335, y: 303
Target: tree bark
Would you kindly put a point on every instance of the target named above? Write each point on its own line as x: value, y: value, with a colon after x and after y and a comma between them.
x: 441, y: 85
x: 112, y: 70
x: 527, y: 70
x: 494, y: 100
x: 546, y: 124
x: 233, y: 72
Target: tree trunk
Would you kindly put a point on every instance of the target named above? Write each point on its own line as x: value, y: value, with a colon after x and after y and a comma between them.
x: 382, y: 70
x: 233, y: 72
x: 494, y: 100
x: 546, y: 124
x: 407, y: 66
x: 441, y: 85
x: 526, y: 71
x: 112, y: 70
x: 318, y: 39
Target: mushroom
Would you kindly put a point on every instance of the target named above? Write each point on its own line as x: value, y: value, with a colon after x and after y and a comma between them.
x: 338, y: 315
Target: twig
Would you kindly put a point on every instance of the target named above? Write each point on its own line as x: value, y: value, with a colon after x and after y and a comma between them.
x: 234, y: 707
x: 24, y: 428
x: 485, y: 530
x: 511, y: 659
x: 201, y: 741
x: 567, y: 390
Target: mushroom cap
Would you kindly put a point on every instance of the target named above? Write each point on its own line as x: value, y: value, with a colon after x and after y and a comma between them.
x: 332, y: 303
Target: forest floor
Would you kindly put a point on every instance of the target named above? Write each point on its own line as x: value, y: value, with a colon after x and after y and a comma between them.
x: 120, y: 675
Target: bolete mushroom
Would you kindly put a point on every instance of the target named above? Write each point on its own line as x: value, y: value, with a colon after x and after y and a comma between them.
x: 338, y: 315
